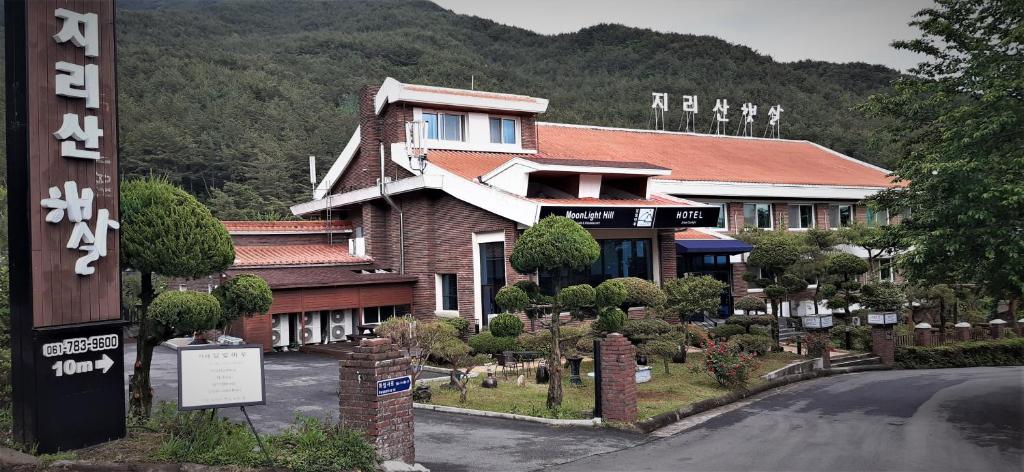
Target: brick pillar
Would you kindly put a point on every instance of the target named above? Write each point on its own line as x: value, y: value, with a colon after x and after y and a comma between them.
x: 387, y: 420
x: 883, y: 345
x: 963, y: 331
x: 922, y: 334
x: 667, y: 255
x: 618, y: 379
x: 996, y: 326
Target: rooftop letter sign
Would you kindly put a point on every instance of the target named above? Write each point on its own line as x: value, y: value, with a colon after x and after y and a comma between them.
x: 63, y: 229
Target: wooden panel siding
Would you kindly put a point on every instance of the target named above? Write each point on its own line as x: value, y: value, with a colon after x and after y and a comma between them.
x: 299, y: 300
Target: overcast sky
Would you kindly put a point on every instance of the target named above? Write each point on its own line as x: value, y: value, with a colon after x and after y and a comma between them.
x: 787, y: 30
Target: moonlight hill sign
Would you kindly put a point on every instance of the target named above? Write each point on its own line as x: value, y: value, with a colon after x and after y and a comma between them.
x: 66, y: 334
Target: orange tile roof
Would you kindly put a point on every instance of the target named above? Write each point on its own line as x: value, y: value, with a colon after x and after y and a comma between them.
x: 693, y: 234
x: 655, y: 201
x: 295, y: 254
x: 468, y: 164
x: 711, y: 158
x: 288, y: 226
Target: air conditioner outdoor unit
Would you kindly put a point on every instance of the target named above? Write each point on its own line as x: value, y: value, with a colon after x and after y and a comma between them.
x: 279, y: 330
x: 310, y: 333
x: 339, y: 324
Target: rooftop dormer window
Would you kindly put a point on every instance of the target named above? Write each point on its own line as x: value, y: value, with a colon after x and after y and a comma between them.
x: 503, y: 130
x: 445, y: 126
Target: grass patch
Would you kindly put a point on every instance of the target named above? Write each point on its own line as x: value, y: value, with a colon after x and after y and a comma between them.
x: 665, y: 392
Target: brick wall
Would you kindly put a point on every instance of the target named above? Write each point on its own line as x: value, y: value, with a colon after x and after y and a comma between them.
x: 255, y: 329
x: 387, y: 421
x: 364, y: 170
x: 667, y: 255
x: 529, y: 137
x: 439, y: 240
x: 618, y: 379
x: 883, y: 344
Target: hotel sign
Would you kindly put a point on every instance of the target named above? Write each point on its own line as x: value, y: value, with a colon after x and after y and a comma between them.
x: 610, y: 217
x: 63, y: 222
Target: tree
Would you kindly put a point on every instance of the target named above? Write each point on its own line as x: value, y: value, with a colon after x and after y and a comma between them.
x: 845, y: 268
x: 459, y: 355
x: 881, y: 296
x: 877, y: 241
x: 243, y: 294
x: 686, y: 297
x: 165, y: 231
x: 957, y: 123
x: 774, y: 254
x: 553, y: 244
x: 751, y: 305
x: 818, y: 244
x: 420, y: 339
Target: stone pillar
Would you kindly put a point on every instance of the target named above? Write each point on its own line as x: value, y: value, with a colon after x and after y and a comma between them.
x: 883, y: 344
x: 386, y: 420
x: 963, y: 331
x: 618, y: 379
x: 922, y: 334
x: 996, y: 326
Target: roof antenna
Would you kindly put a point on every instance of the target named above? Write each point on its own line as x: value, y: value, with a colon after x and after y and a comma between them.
x: 472, y: 82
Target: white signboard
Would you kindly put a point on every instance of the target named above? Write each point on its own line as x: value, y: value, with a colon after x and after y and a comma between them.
x: 817, y: 322
x: 220, y: 376
x: 883, y: 318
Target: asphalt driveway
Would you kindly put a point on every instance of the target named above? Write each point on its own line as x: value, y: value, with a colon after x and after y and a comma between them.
x: 307, y: 384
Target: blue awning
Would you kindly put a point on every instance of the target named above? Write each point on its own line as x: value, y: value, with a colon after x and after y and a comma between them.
x: 712, y: 246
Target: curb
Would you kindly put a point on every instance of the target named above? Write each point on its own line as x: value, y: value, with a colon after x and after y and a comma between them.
x: 509, y: 416
x: 665, y: 419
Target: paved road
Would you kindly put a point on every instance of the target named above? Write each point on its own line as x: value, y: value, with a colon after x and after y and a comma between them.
x: 935, y: 420
x: 308, y: 384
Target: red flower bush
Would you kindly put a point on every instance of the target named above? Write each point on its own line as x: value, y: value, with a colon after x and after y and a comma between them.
x: 728, y: 368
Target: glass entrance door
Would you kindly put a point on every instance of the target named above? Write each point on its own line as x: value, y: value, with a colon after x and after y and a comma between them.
x: 492, y: 276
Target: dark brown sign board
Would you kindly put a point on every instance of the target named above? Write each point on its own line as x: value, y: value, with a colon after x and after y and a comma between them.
x: 62, y: 170
x: 601, y: 217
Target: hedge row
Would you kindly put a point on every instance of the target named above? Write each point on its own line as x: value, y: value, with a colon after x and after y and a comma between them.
x: 972, y: 354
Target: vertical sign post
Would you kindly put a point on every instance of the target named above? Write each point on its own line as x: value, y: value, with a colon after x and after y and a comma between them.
x: 66, y: 328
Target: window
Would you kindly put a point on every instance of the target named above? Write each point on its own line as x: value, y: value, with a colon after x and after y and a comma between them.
x: 885, y: 270
x: 840, y: 215
x: 757, y: 215
x: 801, y: 216
x: 444, y: 126
x: 377, y: 314
x: 449, y: 291
x: 503, y: 131
x: 619, y: 258
x: 877, y: 217
x: 723, y: 216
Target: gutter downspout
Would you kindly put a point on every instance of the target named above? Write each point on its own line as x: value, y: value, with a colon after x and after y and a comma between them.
x: 401, y: 216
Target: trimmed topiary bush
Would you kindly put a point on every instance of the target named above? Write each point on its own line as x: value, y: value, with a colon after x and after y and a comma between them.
x: 726, y: 331
x: 751, y: 343
x: 640, y: 331
x: 973, y: 354
x: 184, y: 312
x: 610, y: 320
x: 512, y: 299
x: 610, y: 293
x: 641, y: 293
x: 244, y: 294
x: 506, y: 325
x: 577, y: 299
x: 746, y: 321
x: 487, y: 343
x: 750, y: 304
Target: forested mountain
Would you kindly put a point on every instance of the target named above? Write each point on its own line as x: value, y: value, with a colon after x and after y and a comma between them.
x: 229, y: 98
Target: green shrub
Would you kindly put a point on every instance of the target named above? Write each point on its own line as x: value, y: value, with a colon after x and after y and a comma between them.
x: 315, y: 446
x: 973, y: 354
x: 529, y: 287
x: 460, y: 325
x: 577, y: 336
x: 512, y: 299
x: 726, y: 331
x: 487, y: 343
x: 610, y: 293
x: 751, y: 304
x: 761, y: 330
x: 697, y: 334
x: 751, y: 343
x: 195, y: 437
x: 576, y: 299
x: 185, y: 312
x: 506, y: 325
x: 746, y: 321
x: 610, y: 320
x: 244, y: 294
x: 729, y: 368
x: 860, y: 337
x: 642, y: 293
x: 640, y: 331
